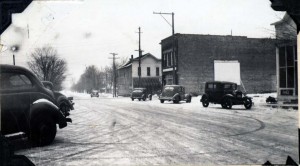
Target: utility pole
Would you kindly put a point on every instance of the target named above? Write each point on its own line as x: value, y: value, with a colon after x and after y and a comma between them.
x: 173, y: 42
x: 140, y: 54
x: 114, y: 73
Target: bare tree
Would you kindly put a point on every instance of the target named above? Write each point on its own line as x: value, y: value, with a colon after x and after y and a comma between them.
x: 48, y: 66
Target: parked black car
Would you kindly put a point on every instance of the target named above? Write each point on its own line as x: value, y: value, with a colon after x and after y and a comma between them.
x: 27, y: 106
x: 95, y: 93
x: 65, y: 104
x: 175, y: 93
x: 140, y: 94
x: 224, y: 93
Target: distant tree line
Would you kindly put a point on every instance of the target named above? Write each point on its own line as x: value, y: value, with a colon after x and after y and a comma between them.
x: 94, y: 78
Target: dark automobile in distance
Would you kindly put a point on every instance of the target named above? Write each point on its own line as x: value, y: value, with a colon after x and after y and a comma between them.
x: 95, y: 93
x: 224, y: 93
x: 65, y: 104
x: 27, y: 106
x: 175, y: 93
x: 140, y: 94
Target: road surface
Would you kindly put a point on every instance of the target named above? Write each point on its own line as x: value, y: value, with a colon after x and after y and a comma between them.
x: 118, y: 131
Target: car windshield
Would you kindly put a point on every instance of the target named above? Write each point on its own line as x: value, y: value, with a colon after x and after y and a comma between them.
x: 168, y: 88
x: 94, y: 91
x: 137, y: 90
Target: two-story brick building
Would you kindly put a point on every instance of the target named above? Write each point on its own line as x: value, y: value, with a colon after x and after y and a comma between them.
x: 150, y: 74
x: 197, y: 56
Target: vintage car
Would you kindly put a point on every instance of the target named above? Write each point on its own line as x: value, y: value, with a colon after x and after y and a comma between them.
x: 65, y: 104
x: 175, y: 93
x: 27, y: 106
x: 140, y: 94
x: 95, y: 93
x: 224, y: 93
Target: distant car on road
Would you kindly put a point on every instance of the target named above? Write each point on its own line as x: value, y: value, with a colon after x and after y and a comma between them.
x: 140, y: 94
x: 95, y: 93
x: 224, y: 93
x: 27, y: 106
x: 175, y: 93
x: 65, y: 104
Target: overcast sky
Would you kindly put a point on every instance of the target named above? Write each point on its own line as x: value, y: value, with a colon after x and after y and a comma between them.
x: 85, y: 32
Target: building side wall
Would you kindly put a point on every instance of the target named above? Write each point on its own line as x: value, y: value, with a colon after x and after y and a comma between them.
x: 124, y: 81
x: 146, y: 62
x: 196, y: 55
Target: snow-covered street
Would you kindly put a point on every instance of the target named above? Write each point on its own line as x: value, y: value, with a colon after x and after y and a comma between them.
x: 118, y: 131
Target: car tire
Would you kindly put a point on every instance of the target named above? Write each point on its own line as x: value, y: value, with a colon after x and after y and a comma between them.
x: 43, y: 131
x: 248, y: 103
x: 162, y: 101
x: 144, y: 98
x: 205, y: 101
x: 176, y: 101
x: 132, y: 99
x: 228, y: 103
x: 189, y: 100
x: 223, y: 104
x: 139, y: 99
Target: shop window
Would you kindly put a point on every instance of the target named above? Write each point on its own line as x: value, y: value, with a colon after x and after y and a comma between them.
x: 288, y: 67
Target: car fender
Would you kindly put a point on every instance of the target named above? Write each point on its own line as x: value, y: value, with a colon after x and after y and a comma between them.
x: 63, y: 99
x: 247, y: 97
x: 228, y: 96
x: 177, y: 95
x: 187, y: 95
x: 47, y: 108
x: 204, y: 95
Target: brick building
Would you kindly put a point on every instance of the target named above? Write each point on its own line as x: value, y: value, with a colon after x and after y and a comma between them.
x: 150, y: 75
x: 197, y: 55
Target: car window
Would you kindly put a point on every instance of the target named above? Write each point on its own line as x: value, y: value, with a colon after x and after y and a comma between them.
x: 211, y: 86
x: 228, y: 86
x: 137, y: 90
x: 169, y: 88
x: 15, y: 81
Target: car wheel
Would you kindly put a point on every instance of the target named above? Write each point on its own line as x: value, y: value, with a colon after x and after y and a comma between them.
x: 176, y: 101
x: 132, y: 99
x: 228, y: 103
x: 189, y: 99
x: 205, y: 102
x: 248, y: 103
x: 43, y: 131
x: 223, y: 104
x: 162, y: 101
x: 144, y: 98
x: 139, y: 99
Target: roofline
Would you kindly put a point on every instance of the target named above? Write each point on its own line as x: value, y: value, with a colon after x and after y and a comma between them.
x: 179, y: 34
